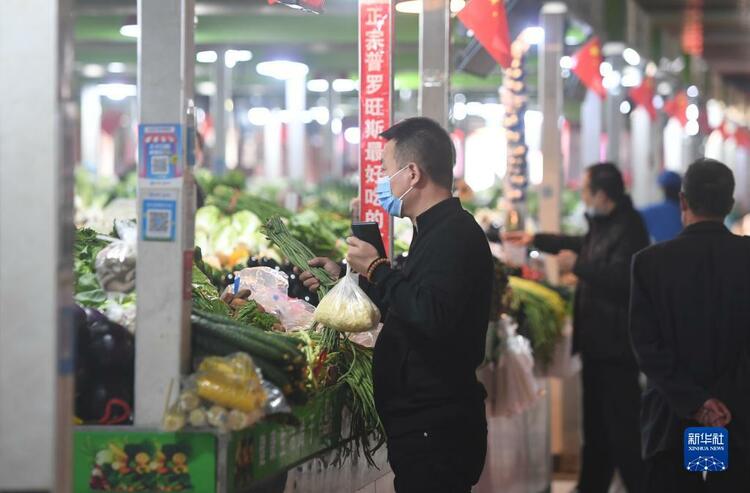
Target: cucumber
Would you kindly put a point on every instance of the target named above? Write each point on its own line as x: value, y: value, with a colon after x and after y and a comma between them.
x: 282, y: 343
x: 274, y: 375
x: 240, y: 341
x: 212, y: 346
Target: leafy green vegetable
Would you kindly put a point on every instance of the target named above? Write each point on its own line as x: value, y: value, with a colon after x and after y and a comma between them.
x: 87, y: 245
x: 251, y: 314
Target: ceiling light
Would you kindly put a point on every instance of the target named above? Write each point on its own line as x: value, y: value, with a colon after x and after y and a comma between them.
x: 206, y: 88
x: 631, y: 56
x: 320, y: 114
x: 282, y: 69
x: 631, y: 77
x: 415, y: 6
x: 567, y: 63
x: 130, y: 28
x: 692, y: 92
x: 209, y: 56
x: 664, y: 88
x: 232, y: 57
x: 317, y: 85
x: 625, y: 107
x: 658, y: 102
x: 117, y: 92
x: 533, y: 35
x: 692, y: 112
x: 344, y: 85
x: 116, y: 67
x: 605, y: 69
x: 258, y: 116
x: 92, y: 71
x: 351, y: 135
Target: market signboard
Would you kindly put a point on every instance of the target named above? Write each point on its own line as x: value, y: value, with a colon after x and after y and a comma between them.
x: 115, y: 460
x: 375, y: 96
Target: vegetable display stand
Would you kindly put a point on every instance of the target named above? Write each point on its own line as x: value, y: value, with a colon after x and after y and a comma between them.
x: 126, y: 458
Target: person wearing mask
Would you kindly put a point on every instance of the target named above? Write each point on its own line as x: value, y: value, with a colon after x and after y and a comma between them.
x: 664, y: 220
x: 601, y: 261
x: 435, y: 311
x: 690, y: 327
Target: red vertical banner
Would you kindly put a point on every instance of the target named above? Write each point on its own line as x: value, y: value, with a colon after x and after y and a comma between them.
x: 375, y: 95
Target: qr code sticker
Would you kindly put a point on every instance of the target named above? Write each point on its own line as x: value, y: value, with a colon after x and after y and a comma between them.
x: 159, y: 224
x: 160, y: 165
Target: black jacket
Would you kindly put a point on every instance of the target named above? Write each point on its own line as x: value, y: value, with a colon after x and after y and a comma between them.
x: 600, y: 315
x: 690, y: 326
x: 436, y: 312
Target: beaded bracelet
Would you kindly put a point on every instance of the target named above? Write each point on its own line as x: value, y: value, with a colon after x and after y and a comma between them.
x: 373, y: 266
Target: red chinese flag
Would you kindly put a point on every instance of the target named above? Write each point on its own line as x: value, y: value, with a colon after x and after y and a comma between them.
x: 743, y: 137
x: 644, y: 96
x: 490, y: 25
x: 676, y: 108
x: 586, y: 66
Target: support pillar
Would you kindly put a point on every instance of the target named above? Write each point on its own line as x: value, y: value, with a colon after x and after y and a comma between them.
x: 36, y: 243
x: 166, y: 207
x: 551, y: 100
x: 434, y: 68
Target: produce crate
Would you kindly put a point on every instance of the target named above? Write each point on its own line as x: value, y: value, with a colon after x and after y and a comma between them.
x: 134, y: 459
x: 268, y: 449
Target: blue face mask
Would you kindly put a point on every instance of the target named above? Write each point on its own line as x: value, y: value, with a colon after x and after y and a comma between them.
x: 388, y: 201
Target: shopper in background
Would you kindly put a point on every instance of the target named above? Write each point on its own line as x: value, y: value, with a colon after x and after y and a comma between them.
x: 436, y: 312
x: 664, y: 220
x: 690, y: 326
x: 601, y: 261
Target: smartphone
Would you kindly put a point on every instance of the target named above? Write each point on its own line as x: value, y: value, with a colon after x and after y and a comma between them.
x: 369, y: 232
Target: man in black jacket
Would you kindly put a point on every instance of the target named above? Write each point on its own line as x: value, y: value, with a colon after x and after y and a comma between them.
x: 601, y: 261
x: 690, y: 326
x: 435, y: 310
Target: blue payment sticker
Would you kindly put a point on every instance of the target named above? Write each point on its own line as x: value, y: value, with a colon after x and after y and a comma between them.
x: 706, y: 449
x: 159, y: 218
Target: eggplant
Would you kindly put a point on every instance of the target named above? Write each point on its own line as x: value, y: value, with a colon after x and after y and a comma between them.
x: 253, y: 262
x: 93, y: 315
x: 111, y: 348
x: 269, y: 262
x: 91, y: 405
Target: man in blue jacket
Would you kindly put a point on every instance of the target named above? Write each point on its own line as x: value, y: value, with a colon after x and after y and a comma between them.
x: 664, y: 221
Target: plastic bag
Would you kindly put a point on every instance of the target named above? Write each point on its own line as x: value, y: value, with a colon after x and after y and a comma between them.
x: 115, y: 263
x: 516, y: 387
x: 227, y: 393
x: 269, y: 288
x: 347, y: 308
x: 564, y: 363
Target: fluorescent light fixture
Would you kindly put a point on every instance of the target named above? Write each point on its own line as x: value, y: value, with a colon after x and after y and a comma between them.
x: 625, y: 107
x: 533, y: 35
x: 605, y: 69
x: 692, y: 128
x: 117, y: 92
x: 692, y: 112
x: 567, y: 63
x: 631, y: 56
x: 320, y: 114
x: 693, y: 92
x: 351, y: 135
x: 116, y: 67
x: 344, y: 85
x: 317, y: 85
x: 232, y: 57
x: 415, y: 6
x: 209, y: 56
x: 258, y: 116
x: 130, y: 30
x: 206, y: 88
x: 282, y: 69
x: 93, y: 71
